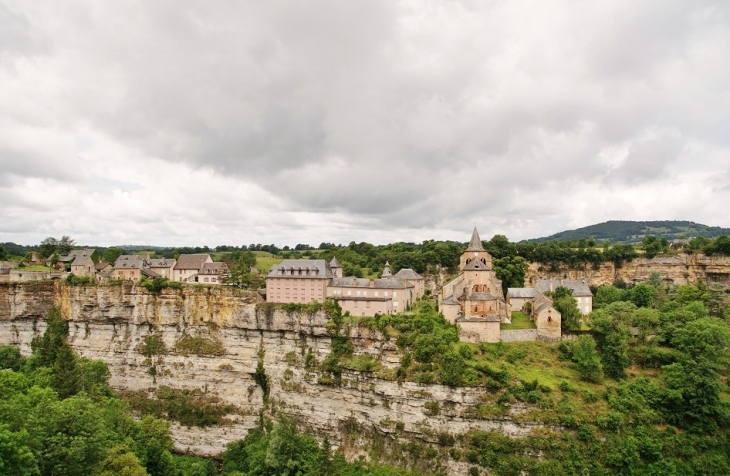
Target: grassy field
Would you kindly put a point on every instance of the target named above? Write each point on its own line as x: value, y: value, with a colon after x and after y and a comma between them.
x: 265, y: 260
x: 37, y: 267
x: 520, y: 320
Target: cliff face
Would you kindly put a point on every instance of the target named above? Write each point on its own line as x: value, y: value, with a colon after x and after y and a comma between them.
x: 679, y: 269
x: 113, y: 323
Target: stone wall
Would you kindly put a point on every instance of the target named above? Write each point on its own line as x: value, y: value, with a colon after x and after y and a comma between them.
x: 519, y: 335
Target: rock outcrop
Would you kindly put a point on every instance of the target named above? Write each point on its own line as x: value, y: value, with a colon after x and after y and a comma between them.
x: 113, y: 323
x: 678, y: 269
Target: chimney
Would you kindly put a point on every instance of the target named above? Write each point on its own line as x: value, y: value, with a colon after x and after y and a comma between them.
x: 551, y: 285
x: 372, y: 283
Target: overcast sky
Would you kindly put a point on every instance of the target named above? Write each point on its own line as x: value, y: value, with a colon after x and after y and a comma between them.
x: 203, y: 123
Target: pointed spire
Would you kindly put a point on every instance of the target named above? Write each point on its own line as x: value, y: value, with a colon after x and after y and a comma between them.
x: 476, y: 243
x: 334, y: 263
x: 386, y: 271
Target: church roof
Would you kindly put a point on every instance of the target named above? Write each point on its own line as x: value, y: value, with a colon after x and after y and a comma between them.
x: 477, y: 265
x: 386, y: 271
x: 523, y: 293
x: 450, y: 301
x: 483, y: 297
x: 476, y: 243
x: 578, y: 286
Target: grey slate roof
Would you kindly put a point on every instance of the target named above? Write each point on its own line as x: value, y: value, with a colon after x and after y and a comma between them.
x: 82, y: 260
x: 476, y: 243
x: 309, y: 268
x: 450, y: 301
x: 149, y: 273
x: 75, y: 254
x: 382, y: 283
x: 334, y: 263
x: 131, y: 262
x: 523, y: 293
x: 162, y: 263
x: 407, y: 273
x: 578, y: 286
x: 482, y: 297
x: 192, y: 261
x: 213, y: 268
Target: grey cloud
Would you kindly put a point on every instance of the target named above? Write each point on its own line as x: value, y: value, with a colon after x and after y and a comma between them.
x: 407, y: 115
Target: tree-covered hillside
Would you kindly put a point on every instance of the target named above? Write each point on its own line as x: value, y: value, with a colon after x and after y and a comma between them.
x: 623, y: 231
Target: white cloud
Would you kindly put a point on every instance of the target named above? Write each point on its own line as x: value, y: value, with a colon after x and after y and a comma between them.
x: 180, y: 123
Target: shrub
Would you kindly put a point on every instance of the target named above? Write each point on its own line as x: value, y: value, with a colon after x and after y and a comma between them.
x: 200, y: 346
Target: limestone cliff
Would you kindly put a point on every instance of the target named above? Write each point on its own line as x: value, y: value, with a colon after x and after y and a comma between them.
x: 112, y: 322
x: 678, y: 269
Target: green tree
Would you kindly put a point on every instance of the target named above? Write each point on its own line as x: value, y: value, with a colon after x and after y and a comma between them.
x: 111, y: 255
x: 585, y: 356
x: 693, y: 383
x: 66, y: 378
x: 643, y: 295
x: 53, y: 338
x: 47, y: 247
x: 608, y: 294
x: 66, y: 244
x: 121, y: 462
x: 511, y: 271
x: 566, y: 305
x: 610, y: 327
x: 16, y: 458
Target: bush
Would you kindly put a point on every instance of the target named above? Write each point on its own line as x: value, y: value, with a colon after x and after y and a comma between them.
x: 587, y: 360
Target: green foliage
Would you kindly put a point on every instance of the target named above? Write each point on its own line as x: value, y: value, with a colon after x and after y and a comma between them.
x: 53, y: 339
x: 74, y: 280
x: 190, y: 407
x: 10, y: 358
x: 259, y: 376
x: 111, y: 255
x: 156, y: 285
x: 586, y: 358
x: 511, y: 271
x: 566, y: 305
x: 198, y: 345
x: 66, y: 377
x: 152, y: 345
x: 610, y: 326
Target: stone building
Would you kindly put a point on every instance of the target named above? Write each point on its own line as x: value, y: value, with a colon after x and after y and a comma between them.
x: 476, y: 292
x: 187, y: 267
x: 298, y: 280
x: 316, y: 280
x: 581, y: 292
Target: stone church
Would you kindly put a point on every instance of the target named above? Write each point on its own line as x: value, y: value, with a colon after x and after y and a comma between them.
x: 474, y: 299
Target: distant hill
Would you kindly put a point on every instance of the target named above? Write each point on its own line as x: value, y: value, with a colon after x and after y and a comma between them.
x: 621, y: 231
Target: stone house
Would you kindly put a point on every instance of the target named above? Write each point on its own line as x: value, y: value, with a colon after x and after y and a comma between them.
x: 581, y: 292
x: 547, y: 319
x: 213, y: 273
x: 517, y: 298
x: 163, y: 267
x: 129, y: 267
x: 187, y: 267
